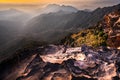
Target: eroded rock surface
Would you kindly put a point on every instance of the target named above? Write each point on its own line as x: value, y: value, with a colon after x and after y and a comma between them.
x: 111, y: 26
x: 66, y: 63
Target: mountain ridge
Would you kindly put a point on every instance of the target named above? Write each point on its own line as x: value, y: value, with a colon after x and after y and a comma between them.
x: 52, y: 8
x: 104, y: 33
x: 68, y: 23
x: 41, y: 61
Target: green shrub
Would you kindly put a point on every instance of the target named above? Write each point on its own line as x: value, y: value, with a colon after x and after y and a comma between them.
x: 92, y: 37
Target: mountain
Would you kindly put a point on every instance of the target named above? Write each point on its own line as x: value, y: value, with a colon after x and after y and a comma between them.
x: 42, y: 25
x: 12, y: 22
x: 14, y: 15
x: 51, y: 8
x: 83, y: 19
x: 90, y: 54
x: 105, y: 33
x: 9, y: 12
x: 87, y: 10
x: 57, y: 25
x: 10, y: 32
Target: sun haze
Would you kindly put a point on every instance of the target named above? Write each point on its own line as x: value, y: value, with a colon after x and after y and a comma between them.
x: 80, y: 4
x: 28, y: 1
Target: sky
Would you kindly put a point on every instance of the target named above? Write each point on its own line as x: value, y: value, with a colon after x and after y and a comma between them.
x: 80, y: 4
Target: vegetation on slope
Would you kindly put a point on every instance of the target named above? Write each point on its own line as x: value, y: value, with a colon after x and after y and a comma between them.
x: 94, y: 36
x: 105, y: 33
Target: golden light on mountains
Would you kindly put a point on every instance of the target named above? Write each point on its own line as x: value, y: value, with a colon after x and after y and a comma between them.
x: 80, y: 4
x: 28, y: 1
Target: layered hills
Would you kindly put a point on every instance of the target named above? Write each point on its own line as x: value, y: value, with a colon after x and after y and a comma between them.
x: 89, y: 52
x: 54, y: 24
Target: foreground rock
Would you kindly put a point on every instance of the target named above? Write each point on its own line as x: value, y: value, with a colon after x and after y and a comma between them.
x: 65, y: 63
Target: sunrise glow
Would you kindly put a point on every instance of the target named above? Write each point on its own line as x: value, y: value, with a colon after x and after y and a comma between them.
x: 28, y: 1
x: 80, y: 4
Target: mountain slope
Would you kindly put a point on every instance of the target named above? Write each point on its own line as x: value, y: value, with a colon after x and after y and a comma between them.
x: 8, y: 30
x: 58, y: 22
x: 14, y: 15
x: 83, y: 20
x: 105, y: 33
x: 36, y: 61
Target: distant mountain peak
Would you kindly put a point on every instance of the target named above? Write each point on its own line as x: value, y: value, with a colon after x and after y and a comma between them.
x: 62, y: 7
x: 52, y: 5
x: 10, y: 11
x: 51, y: 8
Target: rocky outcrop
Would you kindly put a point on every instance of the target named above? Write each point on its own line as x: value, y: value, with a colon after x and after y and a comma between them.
x: 100, y: 65
x: 68, y: 63
x: 111, y: 26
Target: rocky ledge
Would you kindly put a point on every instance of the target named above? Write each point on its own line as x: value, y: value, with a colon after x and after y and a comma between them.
x: 65, y: 63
